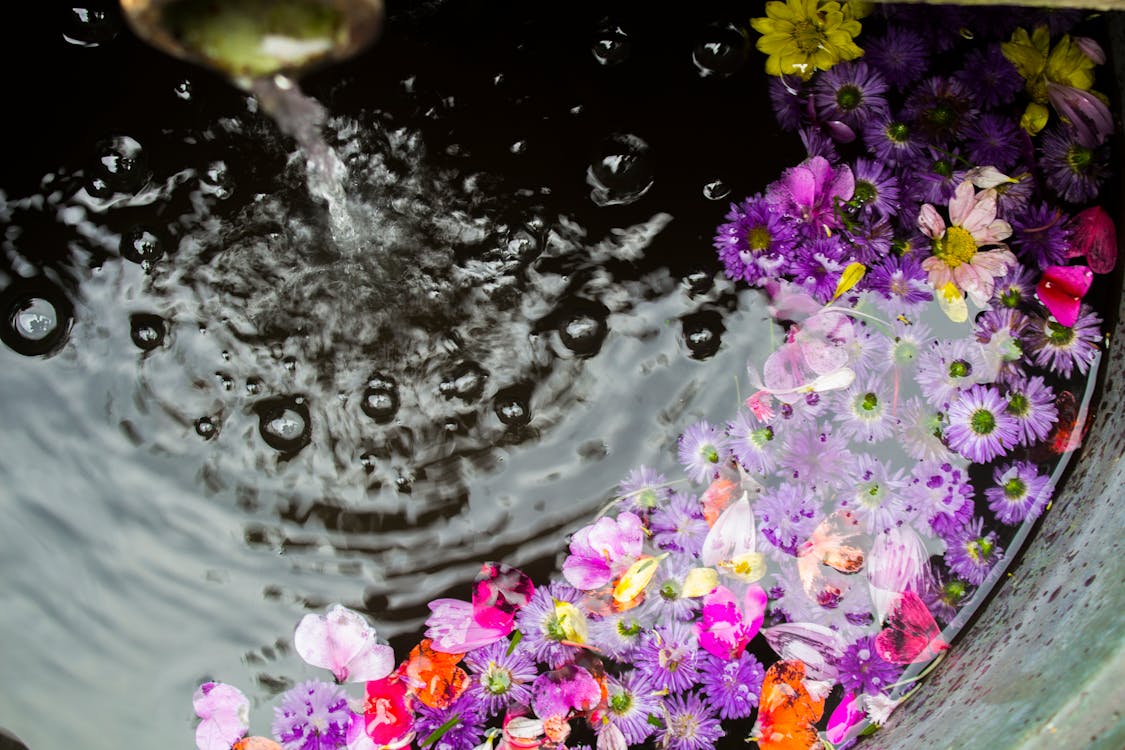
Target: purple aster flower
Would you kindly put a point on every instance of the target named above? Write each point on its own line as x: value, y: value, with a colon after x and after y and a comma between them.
x: 313, y: 715
x: 500, y: 678
x: 902, y: 55
x: 788, y: 101
x: 876, y: 188
x: 902, y: 345
x: 807, y: 193
x: 1040, y: 236
x: 934, y: 177
x: 755, y: 242
x: 871, y: 239
x: 816, y: 456
x: 1015, y: 288
x: 864, y: 671
x: 753, y: 443
x: 664, y: 599
x: 893, y: 141
x: 679, y: 526
x: 619, y: 634
x: 941, y: 108
x: 1012, y: 196
x: 818, y: 266
x: 732, y: 685
x: 689, y: 724
x: 1061, y: 349
x: 670, y: 657
x: 939, y: 488
x: 980, y: 427
x: 877, y: 496
x: 864, y: 352
x: 901, y: 283
x: 630, y: 700
x: 943, y: 25
x: 864, y: 411
x: 643, y: 489
x: 702, y: 450
x: 851, y: 92
x: 818, y: 142
x: 971, y: 552
x: 989, y: 77
x: 787, y: 516
x: 1074, y: 171
x: 1032, y: 403
x: 949, y: 367
x: 920, y: 430
x: 945, y: 525
x: 994, y: 140
x: 543, y: 634
x: 1001, y: 330
x: 944, y: 594
x: 1020, y: 493
x: 465, y: 733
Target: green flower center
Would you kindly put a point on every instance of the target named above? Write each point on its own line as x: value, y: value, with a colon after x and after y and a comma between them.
x: 982, y: 422
x: 710, y: 454
x: 869, y: 402
x: 1059, y: 335
x: 647, y: 499
x: 959, y: 368
x: 497, y: 680
x: 670, y: 590
x: 941, y: 116
x: 898, y: 132
x: 848, y: 97
x: 1018, y: 404
x: 621, y: 702
x: 1011, y: 297
x: 1015, y: 488
x: 761, y: 436
x: 554, y: 629
x: 1079, y: 158
x: 956, y: 247
x: 864, y: 192
x: 979, y: 548
x: 905, y: 351
x: 953, y: 592
x: 942, y: 167
x: 629, y: 630
x: 808, y: 36
x: 759, y: 239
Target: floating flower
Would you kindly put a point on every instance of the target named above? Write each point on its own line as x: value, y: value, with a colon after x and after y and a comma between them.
x: 460, y: 726
x: 862, y: 670
x: 901, y: 55
x: 600, y: 551
x: 433, y: 676
x: 788, y: 515
x: 1094, y: 237
x: 803, y: 36
x: 941, y: 108
x: 808, y: 192
x: 1064, y: 349
x: 548, y: 629
x: 225, y: 715
x: 732, y: 685
x: 1020, y: 492
x: 753, y: 444
x: 1032, y: 403
x: 971, y: 553
x: 642, y: 490
x: 388, y: 716
x: 670, y: 657
x: 728, y: 623
x: 949, y: 367
x: 313, y: 715
x: 344, y: 643
x: 995, y: 140
x: 865, y: 412
x: 847, y: 714
x: 630, y: 700
x: 1074, y: 170
x: 561, y: 691
x: 851, y: 92
x: 1066, y: 64
x: 989, y: 77
x: 980, y: 427
x: 689, y: 723
x: 893, y: 141
x: 502, y: 676
x: 755, y: 242
x: 702, y: 448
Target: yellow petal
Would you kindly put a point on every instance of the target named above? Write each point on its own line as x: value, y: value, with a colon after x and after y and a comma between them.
x: 849, y: 278
x: 747, y: 567
x: 571, y: 621
x: 951, y: 300
x: 1034, y: 118
x: 700, y: 582
x: 635, y: 579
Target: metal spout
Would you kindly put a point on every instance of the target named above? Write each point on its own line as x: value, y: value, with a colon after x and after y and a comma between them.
x: 250, y: 39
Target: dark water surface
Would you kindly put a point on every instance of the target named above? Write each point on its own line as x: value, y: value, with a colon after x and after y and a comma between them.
x: 245, y: 421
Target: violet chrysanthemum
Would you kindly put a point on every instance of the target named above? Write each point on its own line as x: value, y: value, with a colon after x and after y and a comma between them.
x: 877, y: 497
x: 943, y: 594
x: 980, y: 427
x: 818, y: 141
x: 994, y: 140
x: 871, y: 239
x: 753, y: 444
x: 702, y: 450
x: 1061, y: 349
x: 818, y: 265
x: 989, y: 77
x: 862, y: 670
x: 679, y: 525
x: 971, y: 553
x: 642, y: 490
x: 901, y: 283
x: 920, y: 430
x: 630, y: 700
x: 670, y: 657
x: 935, y: 176
x: 1000, y: 331
x: 1073, y: 170
x: 755, y: 241
x: 787, y: 516
x: 313, y: 715
x: 732, y: 685
x: 1020, y: 492
x: 788, y: 102
x: 464, y: 734
x: 864, y: 411
x: 538, y: 622
x: 689, y: 724
x: 949, y: 367
x: 1040, y: 236
x: 1032, y: 403
x: 900, y: 54
x: 893, y: 141
x: 851, y: 92
x: 941, y: 107
x: 1015, y: 288
x: 813, y: 454
x: 500, y: 678
x: 876, y: 188
x: 903, y: 344
x: 1012, y: 196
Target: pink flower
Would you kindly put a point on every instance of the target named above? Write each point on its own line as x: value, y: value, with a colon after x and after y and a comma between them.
x: 560, y: 691
x: 957, y: 260
x: 499, y: 591
x: 224, y: 711
x: 387, y: 715
x: 601, y: 551
x: 849, y: 713
x: 728, y: 626
x: 1094, y: 236
x: 343, y: 642
x: 808, y: 193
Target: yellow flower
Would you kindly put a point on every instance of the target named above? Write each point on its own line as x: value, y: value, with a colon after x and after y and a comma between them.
x: 803, y: 36
x: 1038, y: 64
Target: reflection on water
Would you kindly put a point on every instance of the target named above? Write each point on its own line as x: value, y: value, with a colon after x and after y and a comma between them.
x: 216, y: 417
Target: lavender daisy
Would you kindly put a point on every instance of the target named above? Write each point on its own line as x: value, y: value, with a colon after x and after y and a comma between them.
x: 935, y: 176
x: 944, y: 595
x: 630, y: 700
x: 689, y: 724
x: 788, y: 102
x: 1015, y: 288
x: 670, y: 657
x: 877, y: 499
x: 816, y: 456
x: 752, y: 443
x: 989, y: 77
x: 980, y: 427
x: 1020, y: 492
x: 871, y: 239
x: 619, y: 634
x: 1040, y: 236
x: 755, y: 241
x: 920, y: 431
x: 1031, y: 402
x: 787, y: 516
x: 893, y: 141
x: 819, y: 141
x: 702, y: 450
x: 864, y: 412
x: 500, y: 678
x: 818, y: 266
x: 863, y: 671
x: 679, y: 525
x: 665, y: 598
x: 1061, y: 349
x: 1074, y: 171
x: 939, y: 488
x: 539, y: 623
x: 1000, y: 331
x: 947, y: 368
x: 732, y: 685
x: 901, y: 54
x: 971, y: 553
x: 876, y: 188
x: 643, y: 489
x: 851, y: 92
x: 904, y: 344
x: 464, y: 734
x: 313, y: 715
x: 994, y: 140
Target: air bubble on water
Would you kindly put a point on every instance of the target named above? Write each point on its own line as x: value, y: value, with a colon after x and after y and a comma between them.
x: 702, y: 332
x: 611, y: 45
x: 621, y: 173
x: 284, y: 423
x: 217, y: 180
x: 119, y: 167
x: 35, y: 317
x: 37, y: 320
x: 147, y: 331
x: 716, y: 190
x: 466, y: 382
x: 582, y: 327
x: 206, y: 428
x: 141, y: 245
x: 253, y: 386
x: 513, y: 405
x: 518, y: 147
x: 89, y: 27
x: 182, y: 90
x: 722, y: 50
x: 380, y: 399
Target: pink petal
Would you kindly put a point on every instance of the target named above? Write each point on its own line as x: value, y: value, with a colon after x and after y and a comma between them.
x: 801, y: 184
x: 962, y: 203
x: 454, y: 629
x: 938, y: 271
x: 981, y: 216
x: 930, y: 222
x: 995, y: 232
x: 587, y: 573
x: 994, y: 262
x: 224, y: 711
x: 848, y: 714
x: 341, y: 641
x: 843, y: 183
x: 754, y: 603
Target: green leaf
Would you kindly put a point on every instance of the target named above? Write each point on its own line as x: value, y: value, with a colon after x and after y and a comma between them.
x: 656, y: 721
x: 516, y: 638
x: 436, y: 735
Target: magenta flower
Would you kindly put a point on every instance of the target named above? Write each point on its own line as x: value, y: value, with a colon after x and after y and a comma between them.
x: 560, y: 691
x: 847, y: 715
x: 602, y: 550
x: 808, y: 192
x: 728, y: 625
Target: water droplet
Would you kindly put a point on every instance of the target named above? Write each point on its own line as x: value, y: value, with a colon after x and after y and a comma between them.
x: 36, y: 320
x: 703, y: 333
x: 182, y: 90
x: 147, y: 331
x: 35, y: 317
x: 290, y: 364
x: 380, y: 400
x: 119, y: 167
x: 368, y: 461
x: 513, y: 405
x: 466, y: 382
x: 284, y: 423
x: 716, y: 191
x: 699, y: 282
x: 582, y: 327
x: 206, y: 428
x: 518, y: 147
x: 253, y: 386
x: 611, y: 46
x: 140, y: 245
x: 722, y: 50
x: 226, y: 381
x: 89, y: 27
x: 622, y: 171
